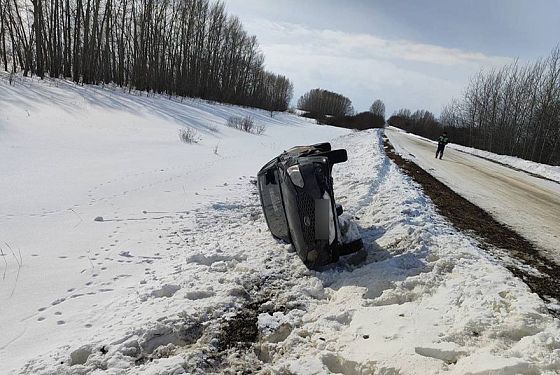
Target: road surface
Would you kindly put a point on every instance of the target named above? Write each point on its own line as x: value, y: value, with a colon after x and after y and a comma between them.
x: 529, y: 205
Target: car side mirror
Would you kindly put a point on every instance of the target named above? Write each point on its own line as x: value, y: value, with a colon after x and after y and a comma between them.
x: 337, y: 156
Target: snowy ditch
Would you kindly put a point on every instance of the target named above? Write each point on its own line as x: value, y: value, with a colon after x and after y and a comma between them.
x: 232, y: 299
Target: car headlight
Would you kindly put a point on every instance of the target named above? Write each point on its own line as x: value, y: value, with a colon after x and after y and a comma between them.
x: 295, y: 175
x: 332, y: 229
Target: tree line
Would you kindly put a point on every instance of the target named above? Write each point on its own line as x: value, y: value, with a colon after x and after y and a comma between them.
x: 325, y: 103
x: 330, y: 108
x: 178, y: 47
x: 514, y: 110
x: 420, y: 122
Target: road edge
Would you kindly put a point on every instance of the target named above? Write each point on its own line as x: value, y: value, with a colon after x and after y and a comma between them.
x: 521, y: 257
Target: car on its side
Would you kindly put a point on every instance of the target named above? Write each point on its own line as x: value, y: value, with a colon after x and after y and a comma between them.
x: 297, y: 198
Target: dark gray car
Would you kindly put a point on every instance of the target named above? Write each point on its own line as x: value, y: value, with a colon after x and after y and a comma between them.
x: 296, y: 191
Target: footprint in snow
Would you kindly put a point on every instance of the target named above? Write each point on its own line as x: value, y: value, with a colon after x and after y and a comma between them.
x: 167, y: 290
x: 58, y: 301
x: 199, y: 294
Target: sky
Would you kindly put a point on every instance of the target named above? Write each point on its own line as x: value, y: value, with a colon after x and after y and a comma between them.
x: 410, y: 54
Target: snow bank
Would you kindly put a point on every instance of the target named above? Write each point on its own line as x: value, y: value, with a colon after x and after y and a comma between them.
x: 426, y: 301
x: 182, y: 275
x: 549, y: 171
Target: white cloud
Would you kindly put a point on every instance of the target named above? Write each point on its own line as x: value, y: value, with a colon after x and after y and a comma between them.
x: 364, y: 67
x: 334, y: 42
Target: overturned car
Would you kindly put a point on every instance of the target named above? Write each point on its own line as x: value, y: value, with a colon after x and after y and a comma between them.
x: 296, y: 192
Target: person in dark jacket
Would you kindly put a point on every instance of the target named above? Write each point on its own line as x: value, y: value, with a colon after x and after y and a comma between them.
x: 442, y: 141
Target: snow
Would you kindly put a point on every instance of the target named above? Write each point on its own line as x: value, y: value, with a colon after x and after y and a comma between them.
x: 92, y: 181
x: 183, y: 250
x: 549, y: 171
x: 529, y: 205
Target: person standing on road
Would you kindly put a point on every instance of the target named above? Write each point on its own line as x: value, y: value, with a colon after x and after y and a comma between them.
x: 442, y: 141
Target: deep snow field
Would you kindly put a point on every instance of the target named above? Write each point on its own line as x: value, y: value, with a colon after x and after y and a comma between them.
x: 182, y: 259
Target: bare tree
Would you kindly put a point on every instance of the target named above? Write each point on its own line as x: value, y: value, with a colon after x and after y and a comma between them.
x: 514, y: 110
x: 177, y: 47
x: 323, y: 102
x: 378, y: 108
x: 3, y: 34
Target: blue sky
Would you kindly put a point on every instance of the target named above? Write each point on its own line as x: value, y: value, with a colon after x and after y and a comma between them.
x: 413, y: 54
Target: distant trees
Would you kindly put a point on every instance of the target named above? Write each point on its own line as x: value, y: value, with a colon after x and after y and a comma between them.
x: 330, y: 108
x: 180, y: 47
x: 514, y: 110
x: 360, y: 121
x: 420, y: 122
x: 378, y: 111
x: 322, y: 103
x: 378, y: 108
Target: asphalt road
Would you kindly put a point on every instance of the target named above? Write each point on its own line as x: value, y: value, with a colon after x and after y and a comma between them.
x: 527, y: 204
